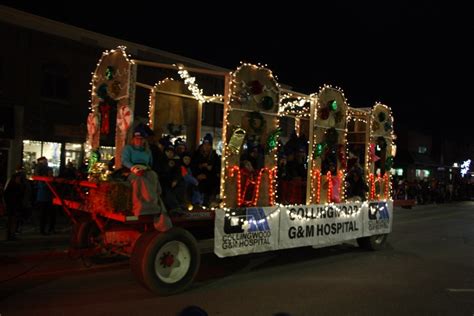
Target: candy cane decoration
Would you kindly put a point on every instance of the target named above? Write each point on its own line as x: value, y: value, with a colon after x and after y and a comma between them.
x: 329, y: 180
x: 92, y: 123
x: 124, y: 117
x: 386, y: 178
x: 232, y: 170
x: 372, y: 186
x: 317, y: 177
x: 271, y: 172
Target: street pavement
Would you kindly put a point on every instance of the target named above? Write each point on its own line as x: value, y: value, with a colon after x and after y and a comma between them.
x: 426, y: 270
x: 31, y: 249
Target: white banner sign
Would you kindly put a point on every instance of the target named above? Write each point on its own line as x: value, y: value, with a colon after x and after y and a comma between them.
x: 378, y: 218
x: 246, y: 230
x: 309, y: 225
x: 258, y: 229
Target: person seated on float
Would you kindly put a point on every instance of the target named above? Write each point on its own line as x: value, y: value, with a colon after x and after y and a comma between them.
x: 191, y: 183
x: 336, y: 183
x: 145, y: 186
x: 283, y: 179
x: 254, y: 156
x: 356, y: 187
x: 173, y: 184
x: 180, y: 147
x: 206, y: 168
x: 251, y: 163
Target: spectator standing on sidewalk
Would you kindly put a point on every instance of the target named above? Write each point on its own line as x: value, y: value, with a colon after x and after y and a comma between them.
x: 14, y: 195
x: 44, y: 198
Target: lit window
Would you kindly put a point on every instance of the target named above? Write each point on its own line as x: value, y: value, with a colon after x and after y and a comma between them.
x: 398, y: 172
x: 32, y: 150
x: 422, y: 173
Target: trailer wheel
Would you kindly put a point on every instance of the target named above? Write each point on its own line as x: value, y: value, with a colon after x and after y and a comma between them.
x: 167, y: 262
x: 85, y: 234
x: 375, y: 242
x: 136, y: 256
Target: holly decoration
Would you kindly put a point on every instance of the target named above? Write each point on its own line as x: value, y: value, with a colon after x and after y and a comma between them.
x: 93, y: 159
x: 272, y: 141
x: 318, y: 151
x: 110, y: 72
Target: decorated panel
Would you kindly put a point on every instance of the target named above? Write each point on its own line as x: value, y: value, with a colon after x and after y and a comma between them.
x: 251, y: 135
x: 329, y: 159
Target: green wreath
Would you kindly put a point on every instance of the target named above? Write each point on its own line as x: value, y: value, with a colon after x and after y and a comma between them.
x: 253, y: 118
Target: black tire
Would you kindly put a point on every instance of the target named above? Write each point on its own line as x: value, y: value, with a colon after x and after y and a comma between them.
x: 375, y: 242
x: 85, y: 235
x: 136, y: 256
x: 167, y: 262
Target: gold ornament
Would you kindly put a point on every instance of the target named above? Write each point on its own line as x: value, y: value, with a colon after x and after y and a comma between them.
x: 236, y: 140
x: 99, y: 172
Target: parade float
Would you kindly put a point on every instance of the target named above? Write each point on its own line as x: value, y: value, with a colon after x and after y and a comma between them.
x: 250, y: 216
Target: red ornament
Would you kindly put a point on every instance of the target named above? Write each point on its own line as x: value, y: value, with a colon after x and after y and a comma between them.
x: 256, y: 87
x: 324, y: 113
x: 372, y: 156
x: 105, y: 116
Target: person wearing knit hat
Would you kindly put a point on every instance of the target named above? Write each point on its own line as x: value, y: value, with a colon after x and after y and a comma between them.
x: 206, y: 169
x: 207, y: 139
x: 145, y: 186
x: 180, y: 146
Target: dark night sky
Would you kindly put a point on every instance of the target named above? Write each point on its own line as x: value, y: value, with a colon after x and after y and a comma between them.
x: 416, y: 58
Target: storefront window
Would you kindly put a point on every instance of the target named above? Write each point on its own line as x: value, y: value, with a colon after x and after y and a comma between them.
x: 32, y: 150
x: 106, y: 153
x: 74, y: 154
x: 398, y: 172
x: 422, y: 173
